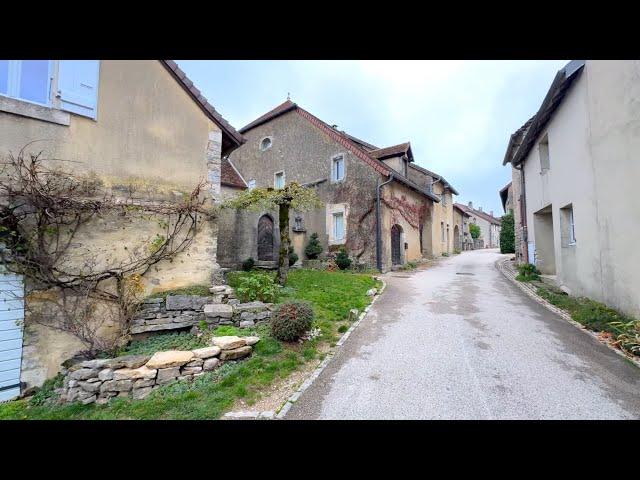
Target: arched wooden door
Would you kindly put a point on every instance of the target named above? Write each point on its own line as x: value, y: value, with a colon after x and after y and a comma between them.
x: 265, y: 238
x: 396, y: 252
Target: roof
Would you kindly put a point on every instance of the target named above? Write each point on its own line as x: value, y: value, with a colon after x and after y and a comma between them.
x: 361, y: 143
x: 533, y: 128
x: 436, y: 176
x: 478, y: 213
x: 229, y: 176
x: 504, y: 194
x: 231, y: 139
x: 393, y: 151
x: 355, y: 146
x: 462, y: 208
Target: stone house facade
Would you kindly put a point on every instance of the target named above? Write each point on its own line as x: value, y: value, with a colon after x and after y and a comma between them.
x: 136, y: 126
x: 575, y: 163
x: 290, y: 144
x: 506, y: 197
x: 489, y: 226
x: 461, y: 235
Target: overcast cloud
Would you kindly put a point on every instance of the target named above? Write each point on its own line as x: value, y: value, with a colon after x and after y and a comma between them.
x: 458, y: 115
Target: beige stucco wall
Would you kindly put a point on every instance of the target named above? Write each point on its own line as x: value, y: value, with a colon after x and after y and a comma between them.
x: 442, y: 215
x: 148, y: 133
x: 593, y: 148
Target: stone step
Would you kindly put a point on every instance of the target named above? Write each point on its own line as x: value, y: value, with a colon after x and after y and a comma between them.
x: 266, y: 264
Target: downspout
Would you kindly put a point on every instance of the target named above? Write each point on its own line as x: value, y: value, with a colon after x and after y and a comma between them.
x: 379, y: 223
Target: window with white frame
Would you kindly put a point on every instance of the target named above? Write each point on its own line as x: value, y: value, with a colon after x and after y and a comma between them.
x: 337, y: 168
x: 251, y: 184
x: 278, y: 181
x: 338, y: 226
x: 70, y: 85
x: 568, y: 232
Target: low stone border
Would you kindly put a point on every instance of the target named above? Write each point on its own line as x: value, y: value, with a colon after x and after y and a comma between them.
x: 505, y: 267
x: 316, y: 373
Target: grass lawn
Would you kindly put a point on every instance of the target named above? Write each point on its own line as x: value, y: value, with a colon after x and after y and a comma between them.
x: 332, y: 295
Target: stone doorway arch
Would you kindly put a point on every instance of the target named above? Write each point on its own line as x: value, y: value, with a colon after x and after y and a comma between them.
x: 265, y: 238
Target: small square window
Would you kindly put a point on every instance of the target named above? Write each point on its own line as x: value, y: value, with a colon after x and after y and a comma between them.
x: 568, y: 228
x: 251, y: 184
x: 279, y: 180
x: 337, y: 171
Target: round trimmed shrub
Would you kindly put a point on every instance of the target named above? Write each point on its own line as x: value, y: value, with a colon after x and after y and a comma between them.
x: 291, y: 320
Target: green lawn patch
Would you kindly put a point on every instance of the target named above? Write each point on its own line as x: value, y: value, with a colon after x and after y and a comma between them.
x: 332, y: 295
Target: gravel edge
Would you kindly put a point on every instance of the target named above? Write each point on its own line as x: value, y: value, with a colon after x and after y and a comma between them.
x: 504, y: 267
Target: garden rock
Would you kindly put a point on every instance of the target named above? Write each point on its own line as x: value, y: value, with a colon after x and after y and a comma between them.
x: 235, y: 354
x: 247, y: 323
x: 228, y: 342
x: 165, y: 375
x: 170, y: 358
x: 186, y: 302
x: 129, y: 361
x: 144, y: 383
x: 83, y: 374
x: 134, y: 373
x: 140, y: 393
x: 371, y: 292
x: 106, y: 374
x: 116, y: 386
x: 251, y: 340
x: 91, y: 387
x: 206, y: 352
x: 218, y: 310
x: 210, y: 364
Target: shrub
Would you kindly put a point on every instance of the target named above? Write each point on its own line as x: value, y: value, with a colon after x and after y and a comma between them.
x: 46, y: 394
x: 313, y: 248
x: 291, y: 320
x: 342, y: 259
x: 293, y: 256
x: 507, y: 235
x: 257, y: 286
x: 528, y: 272
x: 474, y: 230
x: 248, y: 264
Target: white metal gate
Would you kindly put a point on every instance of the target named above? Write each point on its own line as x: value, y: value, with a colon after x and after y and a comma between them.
x: 11, y: 324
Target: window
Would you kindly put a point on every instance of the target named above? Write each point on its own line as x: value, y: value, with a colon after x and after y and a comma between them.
x: 338, y: 226
x: 443, y: 198
x: 543, y: 151
x: 265, y: 143
x: 442, y: 231
x: 298, y: 224
x: 26, y: 79
x: 75, y: 83
x: 568, y: 229
x: 279, y: 180
x: 337, y: 169
x: 251, y: 184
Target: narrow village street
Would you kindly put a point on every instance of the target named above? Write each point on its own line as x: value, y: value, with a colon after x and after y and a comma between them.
x: 459, y: 341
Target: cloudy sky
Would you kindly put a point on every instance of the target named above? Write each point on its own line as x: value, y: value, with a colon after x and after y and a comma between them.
x: 458, y: 115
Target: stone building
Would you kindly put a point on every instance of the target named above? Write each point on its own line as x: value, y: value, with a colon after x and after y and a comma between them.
x: 489, y: 226
x: 506, y: 197
x: 136, y: 126
x: 461, y: 235
x: 290, y: 144
x: 575, y: 176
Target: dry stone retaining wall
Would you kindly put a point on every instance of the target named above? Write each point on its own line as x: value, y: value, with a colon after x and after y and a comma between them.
x: 184, y: 311
x: 136, y: 376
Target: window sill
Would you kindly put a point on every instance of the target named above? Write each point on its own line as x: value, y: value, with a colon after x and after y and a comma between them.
x: 31, y: 110
x: 338, y: 242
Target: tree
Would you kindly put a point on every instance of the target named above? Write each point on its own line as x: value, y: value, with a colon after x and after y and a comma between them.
x: 313, y: 248
x: 474, y: 230
x: 45, y: 211
x: 507, y: 234
x: 292, y: 197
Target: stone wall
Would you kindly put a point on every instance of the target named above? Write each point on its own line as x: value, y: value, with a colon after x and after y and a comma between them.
x: 136, y: 376
x: 184, y: 311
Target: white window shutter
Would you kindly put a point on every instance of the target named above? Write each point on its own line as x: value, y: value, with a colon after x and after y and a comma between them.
x: 78, y: 86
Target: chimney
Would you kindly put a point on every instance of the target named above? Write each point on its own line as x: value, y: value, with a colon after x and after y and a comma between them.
x: 479, y: 209
x: 470, y: 204
x: 491, y: 213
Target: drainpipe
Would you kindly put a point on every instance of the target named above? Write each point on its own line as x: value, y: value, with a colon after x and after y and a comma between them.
x: 379, y: 223
x: 523, y: 212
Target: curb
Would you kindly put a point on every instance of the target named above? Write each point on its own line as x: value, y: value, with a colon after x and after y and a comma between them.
x: 501, y: 265
x: 316, y: 373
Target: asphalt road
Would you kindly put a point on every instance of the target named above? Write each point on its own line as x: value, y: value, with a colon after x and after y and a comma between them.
x: 459, y: 341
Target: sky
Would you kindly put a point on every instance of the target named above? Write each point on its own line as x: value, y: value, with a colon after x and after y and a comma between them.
x: 458, y: 115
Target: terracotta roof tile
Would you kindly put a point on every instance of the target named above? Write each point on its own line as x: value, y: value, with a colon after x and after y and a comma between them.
x: 229, y: 175
x: 393, y: 151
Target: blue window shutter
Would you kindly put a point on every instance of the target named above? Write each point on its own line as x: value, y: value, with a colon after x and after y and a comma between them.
x: 78, y: 86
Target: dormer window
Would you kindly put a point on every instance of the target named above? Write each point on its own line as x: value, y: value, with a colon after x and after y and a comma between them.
x: 265, y: 143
